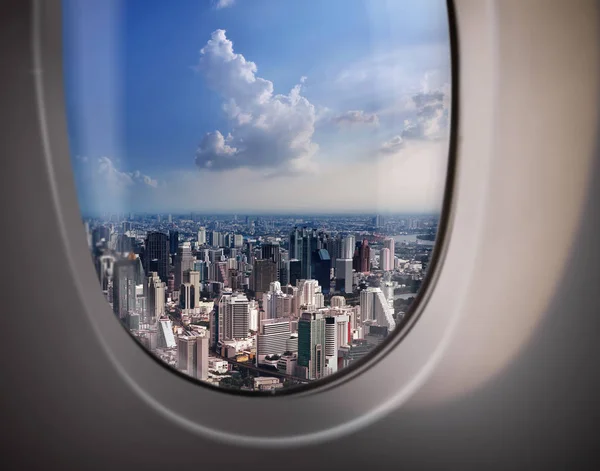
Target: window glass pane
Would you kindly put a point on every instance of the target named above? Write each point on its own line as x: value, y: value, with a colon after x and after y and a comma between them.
x: 260, y: 181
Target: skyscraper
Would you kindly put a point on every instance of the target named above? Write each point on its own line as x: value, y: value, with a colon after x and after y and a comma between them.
x: 295, y: 271
x: 233, y: 316
x: 187, y: 357
x: 322, y: 268
x: 99, y: 233
x: 311, y: 344
x: 336, y: 336
x: 390, y: 244
x: 362, y: 257
x: 157, y: 251
x: 216, y: 239
x: 374, y: 307
x: 173, y: 241
x: 202, y: 358
x: 154, y: 293
x: 343, y: 275
x: 238, y: 240
x: 265, y: 272
x: 193, y: 278
x: 184, y: 260
x: 202, y: 236
x: 384, y: 259
x: 272, y: 252
x: 348, y: 246
x: 124, y: 272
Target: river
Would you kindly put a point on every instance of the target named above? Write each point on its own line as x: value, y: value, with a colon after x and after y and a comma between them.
x: 411, y: 239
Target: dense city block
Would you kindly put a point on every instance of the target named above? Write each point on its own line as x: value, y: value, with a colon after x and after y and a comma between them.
x: 265, y: 302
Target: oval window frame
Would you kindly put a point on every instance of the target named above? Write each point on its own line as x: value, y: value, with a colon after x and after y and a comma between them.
x: 161, y: 386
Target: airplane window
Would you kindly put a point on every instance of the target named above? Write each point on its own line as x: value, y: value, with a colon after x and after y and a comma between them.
x: 261, y: 182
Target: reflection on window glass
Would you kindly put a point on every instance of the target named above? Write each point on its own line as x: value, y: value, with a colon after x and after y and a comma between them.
x: 260, y: 181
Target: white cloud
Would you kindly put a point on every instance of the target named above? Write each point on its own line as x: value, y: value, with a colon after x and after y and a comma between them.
x: 414, y: 182
x: 223, y: 4
x: 393, y: 145
x: 432, y: 117
x: 268, y: 131
x: 104, y: 172
x: 356, y: 117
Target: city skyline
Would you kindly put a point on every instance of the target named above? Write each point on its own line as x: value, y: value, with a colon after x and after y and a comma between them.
x: 201, y: 108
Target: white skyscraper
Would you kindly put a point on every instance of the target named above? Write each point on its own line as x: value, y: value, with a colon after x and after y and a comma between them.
x: 384, y: 259
x: 202, y: 236
x: 375, y: 307
x: 348, y: 246
x: 154, y: 292
x: 234, y: 316
x: 390, y: 244
x: 238, y: 240
x: 309, y: 289
x: 338, y: 301
x: 336, y: 336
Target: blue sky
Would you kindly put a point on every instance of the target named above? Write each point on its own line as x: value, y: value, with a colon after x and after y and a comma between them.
x: 257, y: 105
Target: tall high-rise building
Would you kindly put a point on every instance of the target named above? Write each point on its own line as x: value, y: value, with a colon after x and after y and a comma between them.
x: 233, y: 316
x: 202, y: 236
x: 295, y: 271
x: 184, y: 260
x: 336, y: 336
x: 192, y: 355
x: 302, y: 244
x: 202, y: 268
x: 343, y: 275
x: 228, y: 240
x: 238, y: 241
x: 284, y: 271
x: 348, y: 246
x: 310, y: 294
x: 362, y: 257
x: 187, y: 357
x: 311, y: 344
x: 272, y: 252
x: 375, y: 307
x: 334, y: 247
x: 265, y: 272
x: 173, y: 241
x: 100, y: 233
x: 193, y: 278
x: 390, y: 244
x: 154, y: 293
x: 216, y: 239
x: 322, y: 268
x: 384, y: 259
x: 202, y: 357
x: 295, y: 244
x: 124, y: 273
x: 156, y: 254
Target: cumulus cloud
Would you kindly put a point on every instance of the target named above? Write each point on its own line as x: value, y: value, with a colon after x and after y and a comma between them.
x: 356, y: 117
x: 223, y: 3
x: 105, y: 170
x: 432, y: 111
x: 393, y: 145
x: 268, y: 131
